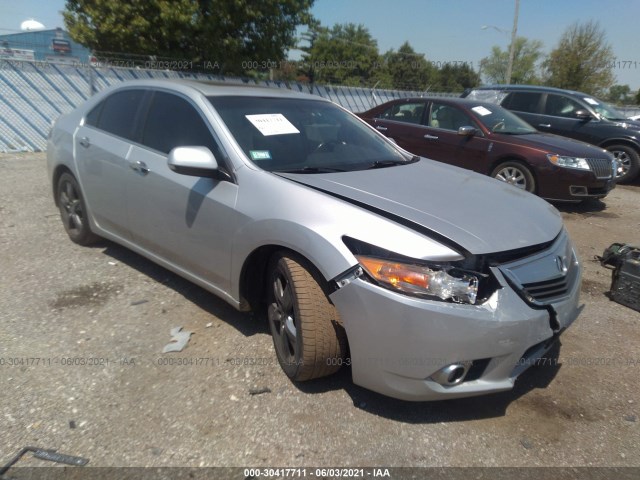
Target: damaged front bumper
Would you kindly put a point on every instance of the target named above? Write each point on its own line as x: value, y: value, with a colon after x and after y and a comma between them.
x: 405, y: 347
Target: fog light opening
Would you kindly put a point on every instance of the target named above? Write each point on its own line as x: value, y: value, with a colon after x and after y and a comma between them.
x: 578, y: 191
x: 451, y: 374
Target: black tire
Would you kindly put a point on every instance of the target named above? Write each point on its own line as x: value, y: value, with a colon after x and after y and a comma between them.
x: 628, y: 162
x: 307, y: 332
x: 73, y: 211
x: 516, y: 174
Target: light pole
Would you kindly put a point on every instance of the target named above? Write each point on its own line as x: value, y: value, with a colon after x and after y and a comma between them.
x: 512, y: 46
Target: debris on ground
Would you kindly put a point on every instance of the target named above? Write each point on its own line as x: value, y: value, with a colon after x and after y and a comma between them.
x: 179, y: 340
x: 259, y: 391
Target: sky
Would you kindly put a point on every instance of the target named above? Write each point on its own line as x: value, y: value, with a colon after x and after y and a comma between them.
x: 444, y: 30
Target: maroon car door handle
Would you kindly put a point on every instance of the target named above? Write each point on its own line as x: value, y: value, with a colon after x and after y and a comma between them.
x: 430, y: 137
x: 382, y: 129
x: 544, y: 125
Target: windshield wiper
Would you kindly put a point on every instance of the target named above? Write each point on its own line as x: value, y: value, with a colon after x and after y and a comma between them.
x: 312, y: 170
x: 391, y: 163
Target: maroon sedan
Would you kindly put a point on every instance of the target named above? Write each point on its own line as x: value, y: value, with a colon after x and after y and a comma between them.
x: 491, y: 140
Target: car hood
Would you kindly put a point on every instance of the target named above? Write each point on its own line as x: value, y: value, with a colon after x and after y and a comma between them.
x: 556, y: 144
x: 480, y: 214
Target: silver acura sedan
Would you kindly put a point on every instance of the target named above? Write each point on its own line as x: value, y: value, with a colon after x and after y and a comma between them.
x: 429, y: 281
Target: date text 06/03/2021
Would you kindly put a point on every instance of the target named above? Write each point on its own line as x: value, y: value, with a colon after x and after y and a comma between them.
x: 304, y: 472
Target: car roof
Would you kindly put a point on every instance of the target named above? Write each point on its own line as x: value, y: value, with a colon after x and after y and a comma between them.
x: 454, y: 100
x: 218, y: 88
x: 534, y: 88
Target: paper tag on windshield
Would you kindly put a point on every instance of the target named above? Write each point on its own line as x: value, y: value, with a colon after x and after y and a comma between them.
x: 590, y: 101
x: 480, y: 110
x: 272, y: 124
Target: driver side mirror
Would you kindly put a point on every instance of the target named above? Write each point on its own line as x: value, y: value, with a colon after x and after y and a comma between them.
x: 467, y: 131
x: 583, y: 115
x: 194, y: 161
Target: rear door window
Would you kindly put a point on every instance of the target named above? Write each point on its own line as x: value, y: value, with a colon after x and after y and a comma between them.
x: 118, y: 114
x: 523, y: 102
x: 404, y: 112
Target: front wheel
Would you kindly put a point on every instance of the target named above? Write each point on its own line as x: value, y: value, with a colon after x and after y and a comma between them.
x: 307, y: 332
x: 628, y: 162
x: 515, y: 174
x: 73, y: 211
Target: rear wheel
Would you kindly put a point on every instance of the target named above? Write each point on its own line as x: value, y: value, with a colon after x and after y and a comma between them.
x: 516, y: 174
x: 307, y: 332
x: 628, y: 162
x: 73, y: 211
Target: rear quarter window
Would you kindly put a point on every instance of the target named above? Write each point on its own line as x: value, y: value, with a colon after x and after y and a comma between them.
x: 490, y: 96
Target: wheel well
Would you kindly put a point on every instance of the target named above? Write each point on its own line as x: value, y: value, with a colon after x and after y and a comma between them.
x: 510, y: 159
x: 522, y: 161
x: 254, y: 271
x: 625, y: 143
x: 57, y: 173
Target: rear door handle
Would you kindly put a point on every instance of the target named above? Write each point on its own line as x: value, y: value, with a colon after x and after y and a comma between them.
x: 430, y: 137
x: 382, y: 129
x: 85, y: 142
x: 139, y: 166
x: 544, y: 125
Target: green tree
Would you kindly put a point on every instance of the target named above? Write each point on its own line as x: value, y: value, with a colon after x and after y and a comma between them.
x: 345, y: 54
x: 457, y: 77
x: 638, y: 97
x: 527, y: 54
x: 232, y: 35
x: 582, y: 60
x: 619, y: 94
x: 409, y: 70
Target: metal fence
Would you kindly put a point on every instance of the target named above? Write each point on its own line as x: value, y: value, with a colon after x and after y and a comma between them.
x: 33, y: 94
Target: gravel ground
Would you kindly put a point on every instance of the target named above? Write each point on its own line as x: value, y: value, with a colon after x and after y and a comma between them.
x: 127, y: 404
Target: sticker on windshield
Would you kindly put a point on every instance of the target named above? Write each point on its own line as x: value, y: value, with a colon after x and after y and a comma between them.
x: 260, y: 154
x: 272, y: 124
x: 480, y: 110
x: 590, y: 101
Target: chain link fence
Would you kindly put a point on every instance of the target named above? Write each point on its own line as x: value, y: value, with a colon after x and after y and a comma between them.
x: 34, y: 93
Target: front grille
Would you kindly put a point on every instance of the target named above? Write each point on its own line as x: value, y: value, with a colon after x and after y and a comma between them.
x: 546, y: 277
x: 601, y: 167
x: 546, y: 290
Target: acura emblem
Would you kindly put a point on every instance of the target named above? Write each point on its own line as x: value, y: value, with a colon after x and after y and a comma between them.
x: 561, y: 263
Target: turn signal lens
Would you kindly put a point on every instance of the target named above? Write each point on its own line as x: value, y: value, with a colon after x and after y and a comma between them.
x: 421, y: 279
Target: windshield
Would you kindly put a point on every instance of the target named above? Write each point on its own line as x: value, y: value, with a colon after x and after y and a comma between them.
x: 305, y: 136
x: 500, y: 120
x: 604, y: 109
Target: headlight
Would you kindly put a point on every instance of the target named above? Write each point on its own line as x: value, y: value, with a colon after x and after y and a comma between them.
x: 569, y: 162
x: 420, y: 279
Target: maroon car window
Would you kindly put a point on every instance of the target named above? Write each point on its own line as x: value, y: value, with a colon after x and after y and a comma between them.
x: 448, y: 117
x: 404, y: 112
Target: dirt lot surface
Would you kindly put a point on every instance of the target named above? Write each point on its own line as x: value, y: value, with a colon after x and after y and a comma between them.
x: 82, y: 331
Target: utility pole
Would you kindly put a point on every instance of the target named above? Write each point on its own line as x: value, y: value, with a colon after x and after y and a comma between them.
x: 512, y: 47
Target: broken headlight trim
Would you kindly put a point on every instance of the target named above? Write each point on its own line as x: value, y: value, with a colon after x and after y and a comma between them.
x: 434, y: 281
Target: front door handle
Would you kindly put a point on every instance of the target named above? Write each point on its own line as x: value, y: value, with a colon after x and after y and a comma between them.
x: 85, y: 142
x: 139, y: 167
x: 430, y: 137
x: 544, y: 125
x: 382, y: 129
